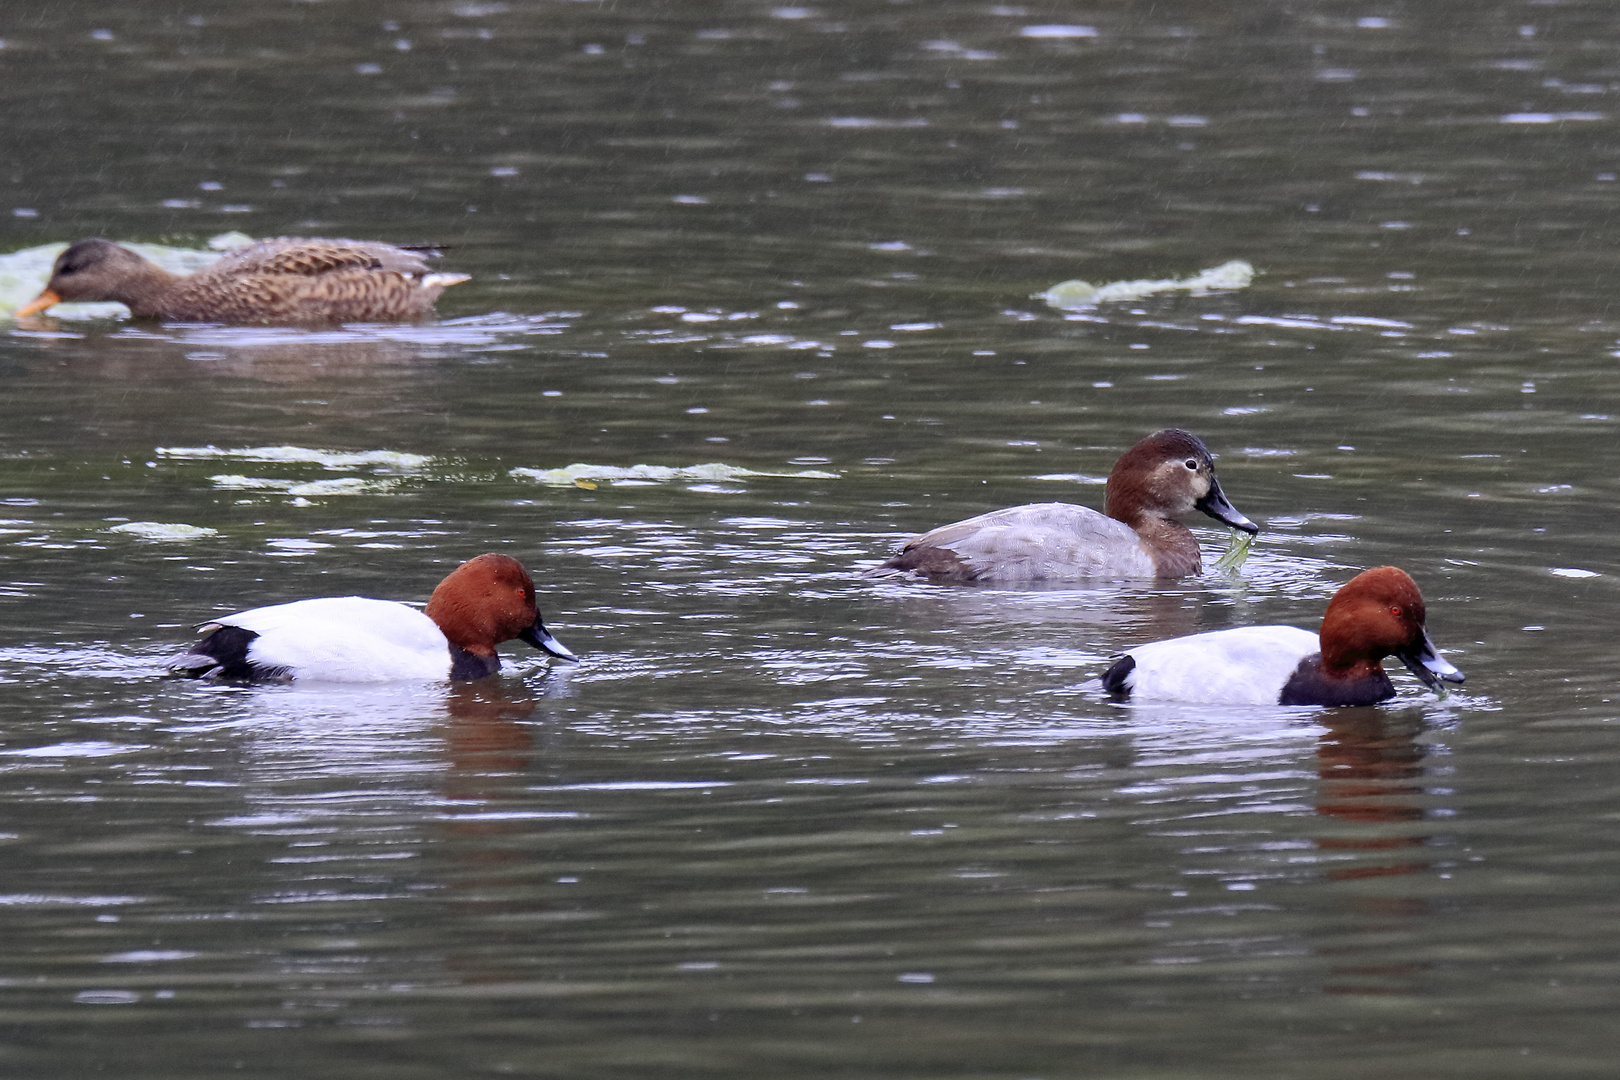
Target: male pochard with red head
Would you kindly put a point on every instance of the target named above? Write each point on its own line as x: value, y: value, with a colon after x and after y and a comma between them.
x: 1378, y: 613
x: 1164, y: 476
x: 483, y: 602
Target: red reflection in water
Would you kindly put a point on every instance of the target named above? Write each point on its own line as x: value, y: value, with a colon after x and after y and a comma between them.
x: 1371, y: 770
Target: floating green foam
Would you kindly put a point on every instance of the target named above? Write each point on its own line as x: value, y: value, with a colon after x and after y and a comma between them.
x: 1079, y: 295
x: 159, y: 530
x: 343, y: 485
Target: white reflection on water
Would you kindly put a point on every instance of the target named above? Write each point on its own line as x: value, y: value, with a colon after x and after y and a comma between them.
x: 392, y: 460
x: 470, y: 332
x: 83, y: 748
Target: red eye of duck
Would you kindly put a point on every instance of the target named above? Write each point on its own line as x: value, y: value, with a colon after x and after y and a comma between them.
x: 1395, y: 611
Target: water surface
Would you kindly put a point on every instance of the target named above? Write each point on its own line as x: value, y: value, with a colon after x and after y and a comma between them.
x: 782, y: 819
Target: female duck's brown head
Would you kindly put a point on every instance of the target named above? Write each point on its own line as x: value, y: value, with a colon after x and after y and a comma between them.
x: 95, y: 270
x: 1165, y: 475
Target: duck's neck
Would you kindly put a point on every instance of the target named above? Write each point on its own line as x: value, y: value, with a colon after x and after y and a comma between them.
x: 1171, y: 545
x: 145, y: 291
x: 465, y: 666
x: 1346, y: 662
x: 1314, y: 683
x: 1344, y: 654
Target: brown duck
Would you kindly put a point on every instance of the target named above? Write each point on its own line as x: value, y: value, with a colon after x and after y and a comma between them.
x: 286, y: 280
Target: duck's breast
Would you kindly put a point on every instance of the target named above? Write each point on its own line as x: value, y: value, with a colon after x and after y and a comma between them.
x: 346, y: 639
x: 1249, y: 665
x: 1043, y: 541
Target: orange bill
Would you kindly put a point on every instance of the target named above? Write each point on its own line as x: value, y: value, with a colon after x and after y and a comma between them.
x: 38, y: 304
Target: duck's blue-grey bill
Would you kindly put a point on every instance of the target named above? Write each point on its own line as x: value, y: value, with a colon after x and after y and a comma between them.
x: 540, y: 638
x: 1216, y: 506
x: 1428, y: 665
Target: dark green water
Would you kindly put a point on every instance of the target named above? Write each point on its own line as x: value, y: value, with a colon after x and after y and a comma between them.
x: 782, y: 821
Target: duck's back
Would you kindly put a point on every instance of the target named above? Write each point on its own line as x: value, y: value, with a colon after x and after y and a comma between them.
x: 344, y: 639
x: 305, y: 257
x: 296, y: 280
x: 1035, y: 542
x: 1248, y: 665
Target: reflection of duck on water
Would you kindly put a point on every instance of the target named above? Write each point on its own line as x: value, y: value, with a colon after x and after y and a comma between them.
x: 486, y: 735
x: 1372, y: 789
x: 1371, y: 767
x: 283, y: 281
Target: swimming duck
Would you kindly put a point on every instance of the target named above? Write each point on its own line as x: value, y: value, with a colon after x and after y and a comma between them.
x: 282, y: 281
x: 1163, y: 476
x: 1377, y: 613
x: 484, y: 601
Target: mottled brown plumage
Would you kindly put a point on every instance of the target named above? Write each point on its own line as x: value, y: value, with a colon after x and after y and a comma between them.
x: 288, y: 280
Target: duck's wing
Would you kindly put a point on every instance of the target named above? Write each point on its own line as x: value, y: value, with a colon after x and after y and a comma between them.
x: 340, y: 638
x: 384, y: 620
x: 311, y: 281
x: 303, y: 257
x: 1038, y: 541
x: 1248, y: 665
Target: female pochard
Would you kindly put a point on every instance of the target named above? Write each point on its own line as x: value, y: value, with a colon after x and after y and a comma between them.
x: 483, y: 602
x: 1378, y: 613
x: 1166, y: 475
